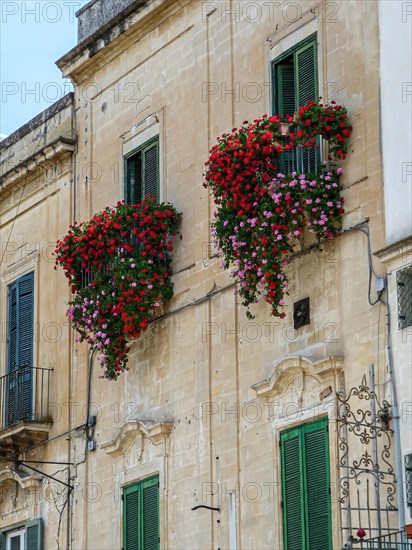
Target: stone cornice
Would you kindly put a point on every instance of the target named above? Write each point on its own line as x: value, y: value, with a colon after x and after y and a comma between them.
x: 57, y: 148
x: 131, y: 24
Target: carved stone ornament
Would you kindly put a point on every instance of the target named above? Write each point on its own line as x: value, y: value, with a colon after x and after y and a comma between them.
x: 137, y: 431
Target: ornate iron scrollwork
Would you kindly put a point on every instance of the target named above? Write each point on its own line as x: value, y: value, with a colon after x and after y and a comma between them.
x: 367, y: 476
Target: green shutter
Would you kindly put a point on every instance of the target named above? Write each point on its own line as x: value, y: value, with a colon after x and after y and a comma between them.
x: 141, y: 515
x: 135, y: 179
x: 292, y: 478
x: 306, y: 77
x: 12, y: 329
x: 305, y: 60
x: 316, y: 453
x: 20, y: 349
x: 150, y: 489
x: 131, y: 517
x: 285, y: 89
x: 2, y: 541
x: 151, y: 170
x: 305, y: 487
x: 142, y: 173
x: 33, y: 536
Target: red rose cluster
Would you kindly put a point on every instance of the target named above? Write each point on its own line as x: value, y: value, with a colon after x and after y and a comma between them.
x: 118, y: 267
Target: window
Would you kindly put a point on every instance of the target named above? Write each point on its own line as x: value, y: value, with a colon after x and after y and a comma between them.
x: 295, y: 82
x: 26, y: 537
x: 141, y: 515
x: 18, y: 380
x: 404, y: 285
x: 306, y: 487
x: 142, y: 172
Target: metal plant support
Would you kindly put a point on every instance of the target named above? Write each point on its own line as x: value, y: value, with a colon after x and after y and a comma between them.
x: 367, y: 481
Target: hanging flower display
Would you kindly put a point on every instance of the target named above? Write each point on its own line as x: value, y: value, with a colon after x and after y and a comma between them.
x: 118, y: 265
x: 260, y: 212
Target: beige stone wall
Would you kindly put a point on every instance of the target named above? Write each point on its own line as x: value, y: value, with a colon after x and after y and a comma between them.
x: 35, y: 211
x: 195, y: 368
x: 197, y: 365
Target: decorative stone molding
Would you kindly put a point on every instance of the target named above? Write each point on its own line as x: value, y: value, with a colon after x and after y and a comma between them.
x: 26, y: 481
x: 137, y: 430
x: 295, y: 376
x: 18, y: 494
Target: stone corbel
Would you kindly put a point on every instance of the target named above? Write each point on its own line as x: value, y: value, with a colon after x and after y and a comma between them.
x: 137, y: 431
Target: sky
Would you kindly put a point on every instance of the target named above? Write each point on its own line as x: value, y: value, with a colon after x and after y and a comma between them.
x: 33, y: 35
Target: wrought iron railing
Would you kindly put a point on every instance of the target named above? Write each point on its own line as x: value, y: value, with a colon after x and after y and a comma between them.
x: 88, y: 274
x: 24, y: 395
x: 303, y: 161
x: 391, y: 541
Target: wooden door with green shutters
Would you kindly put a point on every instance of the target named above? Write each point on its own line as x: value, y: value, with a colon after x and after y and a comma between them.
x: 295, y: 82
x: 141, y: 528
x: 306, y: 503
x: 142, y: 173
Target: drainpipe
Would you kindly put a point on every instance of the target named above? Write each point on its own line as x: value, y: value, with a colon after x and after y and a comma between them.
x: 396, y: 426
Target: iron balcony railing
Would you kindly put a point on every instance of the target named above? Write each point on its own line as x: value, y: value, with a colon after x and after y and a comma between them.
x: 303, y: 161
x: 391, y: 541
x: 25, y: 395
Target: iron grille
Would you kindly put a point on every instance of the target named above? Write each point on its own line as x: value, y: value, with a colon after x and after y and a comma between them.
x: 404, y: 286
x: 391, y: 541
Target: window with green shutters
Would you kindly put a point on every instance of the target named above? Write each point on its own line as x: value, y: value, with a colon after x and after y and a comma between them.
x: 20, y: 324
x: 28, y: 536
x: 141, y: 529
x: 306, y: 500
x: 295, y: 82
x: 142, y: 172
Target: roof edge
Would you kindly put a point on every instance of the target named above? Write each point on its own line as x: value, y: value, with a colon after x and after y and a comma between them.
x: 39, y: 119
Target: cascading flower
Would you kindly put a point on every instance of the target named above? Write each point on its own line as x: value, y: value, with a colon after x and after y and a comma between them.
x: 118, y: 266
x: 260, y: 212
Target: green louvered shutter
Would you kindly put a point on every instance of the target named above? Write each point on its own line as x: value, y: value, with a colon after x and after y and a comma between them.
x: 33, y: 536
x: 131, y: 517
x: 306, y: 73
x: 306, y: 487
x: 150, y: 489
x: 316, y: 453
x: 20, y: 349
x: 141, y: 515
x: 306, y: 78
x: 2, y: 541
x: 12, y: 357
x: 292, y: 491
x: 285, y: 94
x: 285, y: 101
x: 25, y: 344
x: 135, y: 179
x: 151, y: 170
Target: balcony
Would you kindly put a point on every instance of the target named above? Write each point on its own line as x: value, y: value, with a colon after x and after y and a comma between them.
x: 390, y: 541
x: 24, y: 408
x: 304, y: 161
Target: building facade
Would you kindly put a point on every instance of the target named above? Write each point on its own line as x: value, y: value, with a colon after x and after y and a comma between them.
x: 225, y: 432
